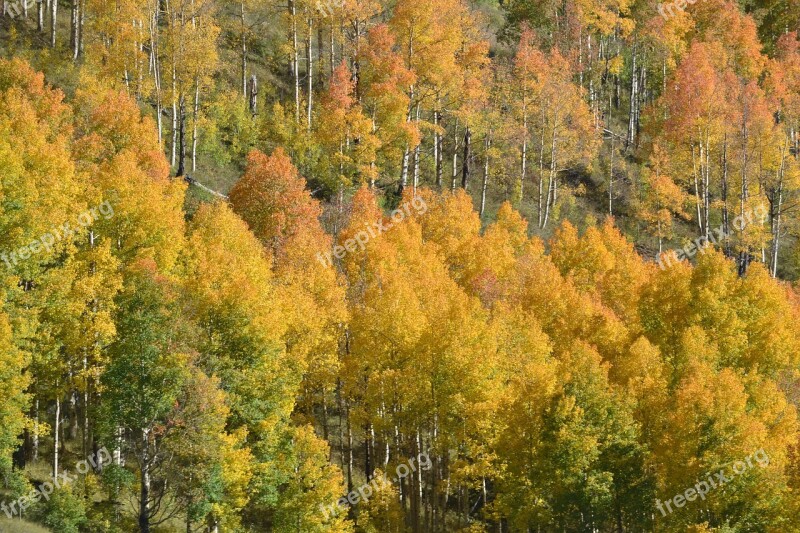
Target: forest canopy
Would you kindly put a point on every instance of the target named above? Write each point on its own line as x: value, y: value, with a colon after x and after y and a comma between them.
x: 387, y: 267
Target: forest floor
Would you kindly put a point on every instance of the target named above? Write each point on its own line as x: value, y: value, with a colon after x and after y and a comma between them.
x: 18, y: 525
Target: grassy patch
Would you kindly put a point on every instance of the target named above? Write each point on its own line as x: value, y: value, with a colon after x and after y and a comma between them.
x: 20, y: 526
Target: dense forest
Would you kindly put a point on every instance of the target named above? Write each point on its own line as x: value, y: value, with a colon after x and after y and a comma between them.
x: 399, y: 266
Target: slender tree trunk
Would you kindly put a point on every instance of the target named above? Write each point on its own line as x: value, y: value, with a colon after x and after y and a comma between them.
x: 634, y: 96
x: 325, y: 430
x: 310, y: 72
x: 776, y: 216
x: 118, y: 447
x: 524, y: 162
x: 745, y: 183
x: 73, y: 25
x: 776, y: 229
x: 253, y: 95
x: 580, y: 56
x: 340, y: 406
x: 416, y: 476
x: 320, y: 51
x: 244, y: 50
x: 416, y: 167
x: 350, y: 460
x: 697, y: 190
x: 368, y: 452
x: 53, y: 22
x: 744, y: 255
x: 404, y: 171
x: 40, y: 16
x: 73, y: 415
x: 332, y: 51
x: 75, y: 38
x: 155, y: 69
x: 707, y: 189
x: 725, y: 218
x: 56, y: 434
x: 641, y: 99
x: 174, y: 116
x: 36, y: 430
x: 195, y: 117
x: 435, y: 467
x: 540, y: 209
x: 182, y: 138
x: 660, y: 239
x: 611, y: 179
x: 437, y: 147
x: 144, y: 493
x: 416, y: 156
x: 551, y: 185
x: 295, y: 59
x: 85, y: 425
x: 455, y: 158
x: 467, y: 156
x: 487, y: 146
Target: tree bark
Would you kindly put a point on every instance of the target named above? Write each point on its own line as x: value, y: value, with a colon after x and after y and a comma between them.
x: 295, y: 60
x: 725, y: 218
x: 155, y: 68
x: 36, y: 430
x: 487, y: 144
x: 53, y: 22
x: 253, y: 95
x: 404, y: 171
x: 416, y: 156
x: 367, y: 453
x: 182, y: 138
x: 195, y: 117
x: 75, y: 35
x: 455, y: 158
x: 244, y: 50
x: 174, y: 116
x: 332, y: 51
x: 551, y: 186
x: 776, y: 229
x: 706, y: 175
x: 56, y: 435
x: 634, y: 96
x: 309, y: 73
x: 697, y: 190
x: 611, y: 179
x: 350, y: 458
x: 776, y: 217
x: 524, y: 162
x: 540, y: 210
x: 467, y: 155
x: 40, y: 16
x: 437, y: 148
x: 144, y: 493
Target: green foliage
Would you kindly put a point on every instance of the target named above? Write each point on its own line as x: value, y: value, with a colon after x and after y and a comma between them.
x: 227, y: 130
x: 63, y: 511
